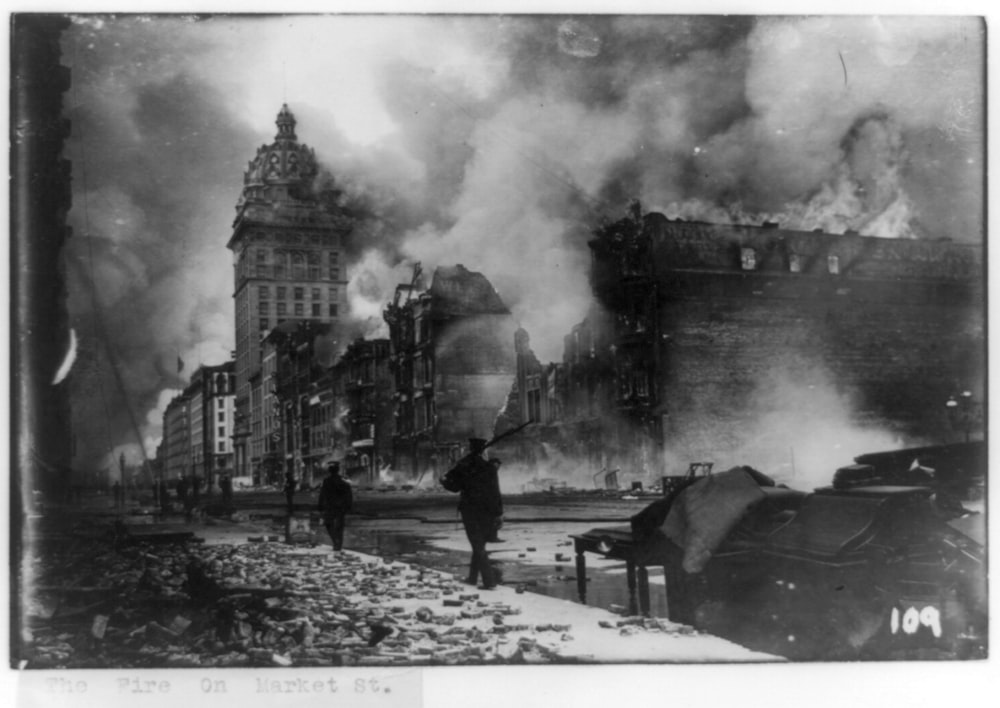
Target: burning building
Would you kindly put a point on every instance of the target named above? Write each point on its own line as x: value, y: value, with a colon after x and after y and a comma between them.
x: 453, y: 366
x: 293, y: 366
x: 287, y: 243
x: 365, y: 383
x: 743, y: 343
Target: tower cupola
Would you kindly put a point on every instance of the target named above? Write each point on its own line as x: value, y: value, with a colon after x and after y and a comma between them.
x: 282, y: 171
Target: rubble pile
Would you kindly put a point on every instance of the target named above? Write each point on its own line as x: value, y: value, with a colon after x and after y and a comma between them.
x: 636, y: 625
x: 264, y: 604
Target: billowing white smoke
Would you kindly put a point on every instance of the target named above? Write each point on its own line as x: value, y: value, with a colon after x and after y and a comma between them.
x: 803, y: 428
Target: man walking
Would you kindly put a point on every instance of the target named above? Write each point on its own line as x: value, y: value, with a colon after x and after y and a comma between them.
x: 335, y: 500
x: 480, y: 505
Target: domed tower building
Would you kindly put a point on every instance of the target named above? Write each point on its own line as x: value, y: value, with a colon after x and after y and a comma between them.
x: 287, y: 247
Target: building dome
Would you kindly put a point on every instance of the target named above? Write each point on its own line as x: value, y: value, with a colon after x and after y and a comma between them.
x: 282, y: 170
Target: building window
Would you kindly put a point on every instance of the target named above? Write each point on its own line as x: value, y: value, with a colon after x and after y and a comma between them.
x: 222, y: 416
x: 315, y: 309
x: 334, y: 295
x: 263, y: 292
x: 298, y: 265
x: 313, y: 258
x: 535, y: 405
x: 334, y: 273
x: 222, y: 431
x: 263, y: 324
x: 300, y: 293
x: 222, y: 446
x: 281, y: 292
x: 263, y: 308
x: 333, y: 309
x: 833, y: 264
x: 281, y: 309
x: 315, y: 294
x: 299, y: 309
x: 748, y: 258
x: 795, y: 262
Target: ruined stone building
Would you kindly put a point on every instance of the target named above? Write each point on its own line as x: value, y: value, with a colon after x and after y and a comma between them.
x: 287, y: 245
x: 451, y: 356
x: 709, y: 341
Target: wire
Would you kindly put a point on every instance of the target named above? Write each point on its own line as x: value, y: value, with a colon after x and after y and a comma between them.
x: 86, y: 274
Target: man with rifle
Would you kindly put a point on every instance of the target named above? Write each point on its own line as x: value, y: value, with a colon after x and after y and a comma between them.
x: 480, y: 504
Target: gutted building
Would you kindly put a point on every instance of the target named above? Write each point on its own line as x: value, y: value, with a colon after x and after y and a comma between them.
x: 453, y: 365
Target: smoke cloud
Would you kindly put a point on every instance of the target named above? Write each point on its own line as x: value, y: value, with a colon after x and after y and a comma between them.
x: 495, y: 142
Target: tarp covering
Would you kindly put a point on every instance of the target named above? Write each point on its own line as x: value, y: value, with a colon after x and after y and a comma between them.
x: 705, y: 513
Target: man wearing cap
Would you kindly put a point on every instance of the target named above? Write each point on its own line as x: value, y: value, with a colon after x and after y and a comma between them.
x: 480, y: 505
x: 335, y: 499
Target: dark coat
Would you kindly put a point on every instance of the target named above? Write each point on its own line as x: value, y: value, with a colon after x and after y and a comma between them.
x: 478, y: 483
x: 335, y: 495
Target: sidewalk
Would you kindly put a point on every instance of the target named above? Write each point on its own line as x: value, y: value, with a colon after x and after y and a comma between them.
x: 228, y: 601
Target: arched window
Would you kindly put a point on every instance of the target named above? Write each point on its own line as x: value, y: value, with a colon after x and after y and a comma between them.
x: 298, y: 265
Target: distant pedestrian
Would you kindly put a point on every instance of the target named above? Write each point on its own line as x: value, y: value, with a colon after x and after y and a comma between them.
x: 164, y: 496
x: 226, y: 486
x: 335, y: 500
x: 480, y: 505
x: 183, y: 487
x: 119, y: 496
x: 290, y: 491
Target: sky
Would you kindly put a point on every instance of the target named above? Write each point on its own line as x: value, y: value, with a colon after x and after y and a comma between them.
x: 498, y: 142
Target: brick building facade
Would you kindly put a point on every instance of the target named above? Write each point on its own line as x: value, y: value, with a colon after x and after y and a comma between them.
x: 725, y: 342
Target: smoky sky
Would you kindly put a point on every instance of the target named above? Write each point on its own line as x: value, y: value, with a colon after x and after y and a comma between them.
x: 492, y: 141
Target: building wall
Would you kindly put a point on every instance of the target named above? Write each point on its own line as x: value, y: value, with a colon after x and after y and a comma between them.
x: 753, y: 339
x: 196, y: 430
x: 176, y: 437
x: 366, y: 383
